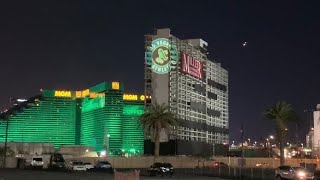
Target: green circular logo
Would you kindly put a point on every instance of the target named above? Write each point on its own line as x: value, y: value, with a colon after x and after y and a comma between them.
x: 160, y: 55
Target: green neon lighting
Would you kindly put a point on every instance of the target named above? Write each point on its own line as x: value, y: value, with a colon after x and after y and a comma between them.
x: 132, y: 132
x: 96, y: 124
x: 161, y: 55
x: 85, y: 121
x: 51, y: 121
x: 133, y: 110
x: 90, y: 104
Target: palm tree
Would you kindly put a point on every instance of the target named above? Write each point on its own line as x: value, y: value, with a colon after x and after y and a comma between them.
x: 282, y: 114
x: 156, y: 118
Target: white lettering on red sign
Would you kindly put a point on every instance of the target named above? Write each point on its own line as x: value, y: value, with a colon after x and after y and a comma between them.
x: 191, y: 66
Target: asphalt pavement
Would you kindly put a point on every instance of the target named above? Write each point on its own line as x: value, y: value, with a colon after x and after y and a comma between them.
x: 16, y: 174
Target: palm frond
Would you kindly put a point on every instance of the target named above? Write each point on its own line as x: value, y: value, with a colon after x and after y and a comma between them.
x: 157, y: 117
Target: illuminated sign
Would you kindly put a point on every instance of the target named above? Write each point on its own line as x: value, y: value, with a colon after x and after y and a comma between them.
x: 115, y: 85
x: 82, y: 94
x: 191, y: 66
x: 161, y: 55
x: 130, y: 97
x: 133, y: 110
x: 133, y: 97
x: 94, y: 95
x: 62, y: 93
x: 85, y: 93
x: 78, y: 94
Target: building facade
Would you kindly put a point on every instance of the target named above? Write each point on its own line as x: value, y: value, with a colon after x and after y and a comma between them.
x: 316, y: 130
x: 102, y: 116
x: 180, y: 74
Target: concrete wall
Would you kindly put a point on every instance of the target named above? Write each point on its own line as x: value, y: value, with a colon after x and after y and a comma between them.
x: 30, y: 147
x: 177, y: 162
x: 268, y: 162
x: 145, y: 162
x: 11, y: 162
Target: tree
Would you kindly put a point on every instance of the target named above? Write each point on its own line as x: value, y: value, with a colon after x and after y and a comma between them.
x: 156, y: 118
x: 282, y: 114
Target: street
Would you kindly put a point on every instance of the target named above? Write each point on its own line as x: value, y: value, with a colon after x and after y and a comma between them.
x: 15, y: 174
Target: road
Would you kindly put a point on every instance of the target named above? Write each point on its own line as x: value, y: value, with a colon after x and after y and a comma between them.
x: 14, y: 174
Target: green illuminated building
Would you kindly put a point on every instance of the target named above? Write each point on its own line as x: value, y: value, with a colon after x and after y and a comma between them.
x: 102, y: 117
x: 132, y: 132
x: 52, y: 120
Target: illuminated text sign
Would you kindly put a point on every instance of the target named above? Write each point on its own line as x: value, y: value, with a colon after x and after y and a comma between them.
x: 161, y: 55
x: 133, y: 110
x: 115, y: 85
x: 62, y: 93
x: 82, y: 94
x: 133, y: 97
x: 191, y: 66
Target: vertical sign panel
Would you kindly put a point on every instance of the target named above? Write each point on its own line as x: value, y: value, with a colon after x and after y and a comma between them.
x: 191, y: 66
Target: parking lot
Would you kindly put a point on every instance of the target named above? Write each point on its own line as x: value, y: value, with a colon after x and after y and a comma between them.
x: 15, y: 174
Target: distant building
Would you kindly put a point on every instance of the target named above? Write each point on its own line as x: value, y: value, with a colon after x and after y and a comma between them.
x: 316, y: 130
x: 309, y: 139
x: 102, y: 116
x: 179, y: 73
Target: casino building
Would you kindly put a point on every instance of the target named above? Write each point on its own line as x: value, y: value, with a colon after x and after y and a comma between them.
x: 180, y: 74
x: 102, y: 116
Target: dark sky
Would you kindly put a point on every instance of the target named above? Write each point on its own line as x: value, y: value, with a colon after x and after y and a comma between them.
x: 76, y: 44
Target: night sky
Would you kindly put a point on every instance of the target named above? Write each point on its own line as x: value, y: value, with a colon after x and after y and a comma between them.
x: 77, y: 44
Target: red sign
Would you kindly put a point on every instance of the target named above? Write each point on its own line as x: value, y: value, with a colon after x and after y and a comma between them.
x: 191, y: 66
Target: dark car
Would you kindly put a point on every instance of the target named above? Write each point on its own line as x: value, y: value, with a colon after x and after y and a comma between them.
x: 56, y: 162
x: 161, y: 169
x: 104, y: 166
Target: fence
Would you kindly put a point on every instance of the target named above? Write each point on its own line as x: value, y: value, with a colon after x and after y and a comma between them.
x: 127, y: 175
x: 229, y: 172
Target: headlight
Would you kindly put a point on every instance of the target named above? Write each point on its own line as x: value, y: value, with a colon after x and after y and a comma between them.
x: 301, y: 174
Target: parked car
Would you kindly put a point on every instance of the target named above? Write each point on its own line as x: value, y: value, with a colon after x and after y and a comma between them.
x: 293, y: 172
x: 89, y: 166
x: 104, y: 166
x: 37, y: 162
x: 31, y: 162
x: 56, y: 162
x: 161, y: 169
x: 76, y: 166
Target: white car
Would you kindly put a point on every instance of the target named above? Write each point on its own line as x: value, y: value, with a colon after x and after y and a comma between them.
x: 88, y: 166
x: 292, y: 172
x: 76, y: 166
x: 37, y: 162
